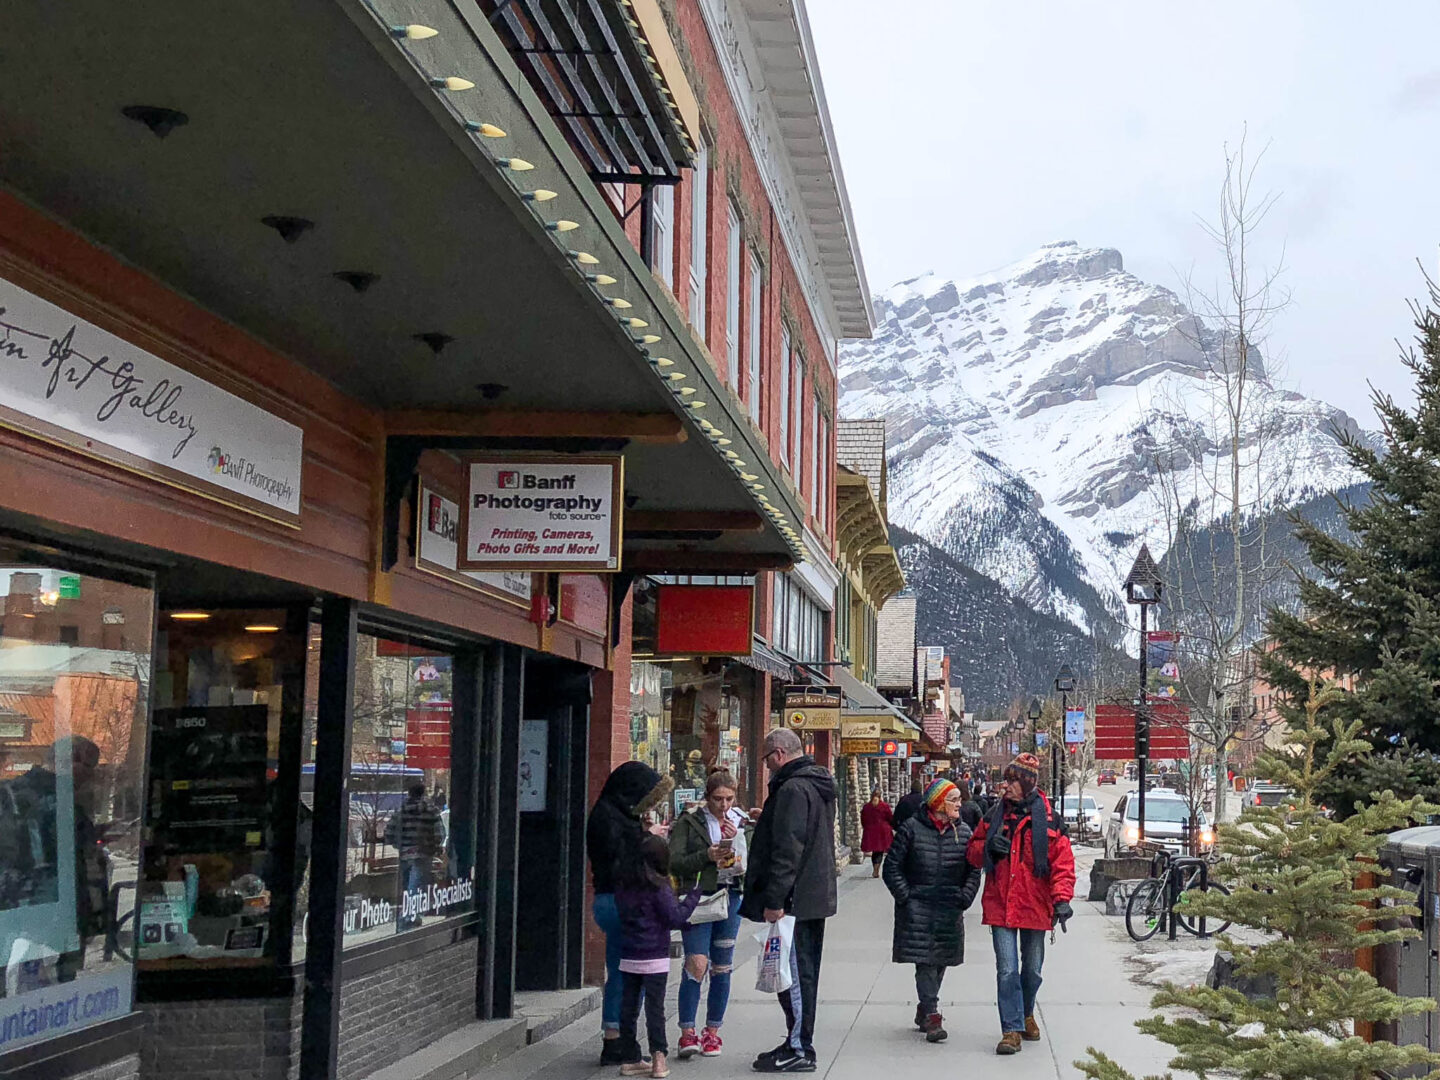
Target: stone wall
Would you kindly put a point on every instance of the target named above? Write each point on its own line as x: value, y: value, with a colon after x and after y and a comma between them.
x: 127, y: 1068
x: 224, y: 1039
x: 387, y: 1014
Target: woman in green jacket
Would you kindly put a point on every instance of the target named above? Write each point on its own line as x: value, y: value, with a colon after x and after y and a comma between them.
x: 709, y: 843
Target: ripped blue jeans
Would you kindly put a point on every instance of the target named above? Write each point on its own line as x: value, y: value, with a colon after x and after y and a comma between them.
x: 716, y: 942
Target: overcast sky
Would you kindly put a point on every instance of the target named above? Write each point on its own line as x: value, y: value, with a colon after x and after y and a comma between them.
x: 971, y: 133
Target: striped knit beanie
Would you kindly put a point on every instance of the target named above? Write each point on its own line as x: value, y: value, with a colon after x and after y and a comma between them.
x: 936, y: 792
x: 1026, y: 769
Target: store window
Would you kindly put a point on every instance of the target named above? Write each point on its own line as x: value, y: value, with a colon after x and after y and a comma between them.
x: 75, y: 672
x: 410, y: 854
x: 687, y: 718
x: 228, y: 686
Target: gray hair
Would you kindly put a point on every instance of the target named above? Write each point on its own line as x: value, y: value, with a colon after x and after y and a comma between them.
x: 783, y: 739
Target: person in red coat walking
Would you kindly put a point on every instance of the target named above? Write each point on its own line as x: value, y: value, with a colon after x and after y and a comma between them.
x: 1029, y: 883
x: 877, y: 830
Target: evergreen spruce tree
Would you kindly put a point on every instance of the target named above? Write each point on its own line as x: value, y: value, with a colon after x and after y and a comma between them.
x: 1292, y: 871
x: 1373, y: 610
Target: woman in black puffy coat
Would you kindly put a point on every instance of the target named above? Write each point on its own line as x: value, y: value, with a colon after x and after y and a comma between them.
x: 933, y: 883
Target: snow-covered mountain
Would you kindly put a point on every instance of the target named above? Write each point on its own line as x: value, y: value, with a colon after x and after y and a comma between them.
x: 1027, y: 408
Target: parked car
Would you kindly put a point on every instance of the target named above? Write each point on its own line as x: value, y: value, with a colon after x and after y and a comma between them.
x: 1086, y: 804
x: 1166, y: 818
x: 1107, y: 776
x: 1264, y: 793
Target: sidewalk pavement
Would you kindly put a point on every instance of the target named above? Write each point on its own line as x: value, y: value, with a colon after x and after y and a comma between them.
x: 865, y: 1019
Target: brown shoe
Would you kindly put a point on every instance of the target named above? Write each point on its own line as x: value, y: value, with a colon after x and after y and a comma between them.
x: 935, y: 1028
x: 1009, y: 1043
x: 1032, y: 1030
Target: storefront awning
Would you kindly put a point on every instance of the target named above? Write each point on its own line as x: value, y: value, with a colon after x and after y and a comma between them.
x: 864, y: 702
x: 408, y: 221
x: 763, y: 658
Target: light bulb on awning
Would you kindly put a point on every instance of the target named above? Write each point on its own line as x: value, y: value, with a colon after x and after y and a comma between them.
x: 563, y: 225
x: 490, y: 131
x: 452, y: 82
x: 514, y: 164
x: 538, y: 195
x: 414, y: 32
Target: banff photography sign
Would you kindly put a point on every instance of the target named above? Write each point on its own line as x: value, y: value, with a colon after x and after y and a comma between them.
x: 542, y: 512
x: 67, y: 381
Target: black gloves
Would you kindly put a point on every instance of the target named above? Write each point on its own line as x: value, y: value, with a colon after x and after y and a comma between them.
x: 998, y: 845
x: 1063, y: 914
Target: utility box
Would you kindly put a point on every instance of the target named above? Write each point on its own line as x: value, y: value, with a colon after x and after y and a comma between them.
x: 1412, y: 968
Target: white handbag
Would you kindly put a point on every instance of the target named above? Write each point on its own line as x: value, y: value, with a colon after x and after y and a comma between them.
x: 712, y: 908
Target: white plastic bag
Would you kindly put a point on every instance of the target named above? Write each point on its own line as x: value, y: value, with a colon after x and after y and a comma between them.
x: 772, y: 972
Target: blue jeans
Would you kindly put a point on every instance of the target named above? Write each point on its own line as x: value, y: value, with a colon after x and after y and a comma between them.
x: 716, y: 942
x: 1017, y: 973
x: 607, y: 917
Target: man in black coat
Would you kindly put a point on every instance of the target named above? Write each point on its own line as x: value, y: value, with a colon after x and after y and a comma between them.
x: 792, y: 872
x: 909, y: 805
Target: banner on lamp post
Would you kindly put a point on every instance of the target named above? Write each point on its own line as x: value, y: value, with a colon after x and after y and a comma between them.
x: 1075, y: 725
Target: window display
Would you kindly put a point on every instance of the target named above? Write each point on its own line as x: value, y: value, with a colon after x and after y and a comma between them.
x: 74, y: 678
x: 410, y: 856
x: 686, y: 719
x: 224, y: 678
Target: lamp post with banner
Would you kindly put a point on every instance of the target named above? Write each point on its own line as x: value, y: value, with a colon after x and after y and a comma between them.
x: 1065, y: 683
x: 1143, y: 588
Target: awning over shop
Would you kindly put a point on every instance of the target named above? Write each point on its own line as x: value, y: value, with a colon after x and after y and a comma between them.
x: 410, y: 222
x: 865, y: 702
x: 763, y: 658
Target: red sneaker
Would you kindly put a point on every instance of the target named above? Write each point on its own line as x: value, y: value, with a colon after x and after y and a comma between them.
x: 689, y: 1045
x: 710, y: 1043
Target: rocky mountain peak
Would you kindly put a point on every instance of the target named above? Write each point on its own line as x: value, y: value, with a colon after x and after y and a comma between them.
x: 1023, y: 410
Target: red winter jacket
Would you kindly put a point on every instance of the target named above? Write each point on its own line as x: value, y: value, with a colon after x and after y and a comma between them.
x: 1014, y: 897
x: 876, y: 832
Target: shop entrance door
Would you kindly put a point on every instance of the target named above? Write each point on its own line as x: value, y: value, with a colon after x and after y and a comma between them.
x: 550, y: 900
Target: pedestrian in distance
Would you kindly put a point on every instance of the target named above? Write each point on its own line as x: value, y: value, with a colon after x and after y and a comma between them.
x: 876, y: 830
x: 648, y: 910
x: 792, y: 872
x: 909, y: 805
x: 1029, y: 883
x: 970, y: 810
x: 612, y: 835
x: 930, y: 876
x: 708, y: 845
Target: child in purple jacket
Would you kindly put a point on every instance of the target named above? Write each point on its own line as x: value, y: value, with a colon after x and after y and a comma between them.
x: 648, y: 911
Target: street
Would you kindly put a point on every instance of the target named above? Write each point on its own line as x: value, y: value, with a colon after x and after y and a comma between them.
x: 864, y: 1023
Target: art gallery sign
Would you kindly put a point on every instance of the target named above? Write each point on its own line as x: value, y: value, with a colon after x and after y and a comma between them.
x: 73, y: 384
x: 542, y: 512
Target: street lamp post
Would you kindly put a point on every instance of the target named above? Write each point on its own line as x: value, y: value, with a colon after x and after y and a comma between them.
x: 1065, y: 683
x: 1034, y: 715
x: 1143, y: 588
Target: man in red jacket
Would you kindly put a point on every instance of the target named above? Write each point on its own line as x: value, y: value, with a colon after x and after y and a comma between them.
x: 1029, y: 883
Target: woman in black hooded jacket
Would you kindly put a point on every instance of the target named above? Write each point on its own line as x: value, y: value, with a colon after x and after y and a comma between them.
x: 614, y: 829
x: 933, y: 883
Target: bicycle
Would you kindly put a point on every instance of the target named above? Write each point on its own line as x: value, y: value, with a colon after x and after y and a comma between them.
x: 1157, y: 898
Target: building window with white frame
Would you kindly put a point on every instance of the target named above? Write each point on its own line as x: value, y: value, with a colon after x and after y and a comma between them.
x: 732, y: 298
x: 753, y: 345
x: 823, y: 498
x: 699, y: 178
x: 785, y: 395
x: 798, y: 415
x: 662, y: 255
x: 814, y: 483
